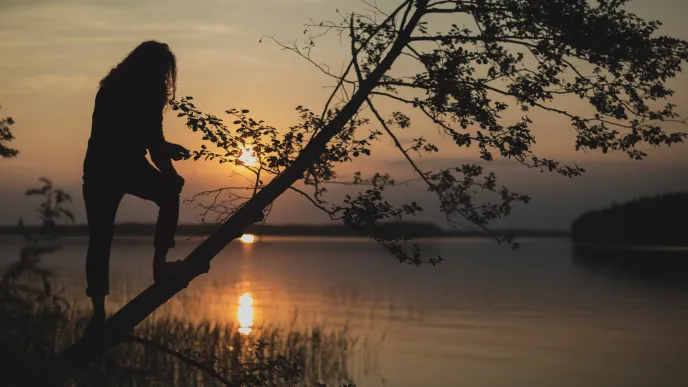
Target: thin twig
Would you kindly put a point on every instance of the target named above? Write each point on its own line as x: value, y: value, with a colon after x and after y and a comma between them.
x: 415, y: 167
x: 315, y: 203
x: 363, y: 44
x: 209, y: 370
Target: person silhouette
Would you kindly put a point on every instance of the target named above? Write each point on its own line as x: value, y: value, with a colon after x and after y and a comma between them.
x: 127, y: 123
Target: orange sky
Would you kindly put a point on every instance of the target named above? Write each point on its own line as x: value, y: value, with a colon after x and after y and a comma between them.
x: 54, y: 52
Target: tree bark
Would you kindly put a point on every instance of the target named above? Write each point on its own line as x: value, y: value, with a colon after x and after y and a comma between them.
x: 122, y: 323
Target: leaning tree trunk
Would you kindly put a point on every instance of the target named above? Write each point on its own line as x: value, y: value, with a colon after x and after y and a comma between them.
x: 122, y: 323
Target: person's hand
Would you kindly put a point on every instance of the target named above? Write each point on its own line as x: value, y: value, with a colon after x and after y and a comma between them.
x: 177, y: 152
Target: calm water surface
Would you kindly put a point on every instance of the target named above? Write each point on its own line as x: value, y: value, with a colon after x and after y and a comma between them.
x: 485, y: 317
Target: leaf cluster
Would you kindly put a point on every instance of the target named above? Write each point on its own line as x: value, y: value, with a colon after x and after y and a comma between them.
x: 522, y: 55
x: 5, y: 137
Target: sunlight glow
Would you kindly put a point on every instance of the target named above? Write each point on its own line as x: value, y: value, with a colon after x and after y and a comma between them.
x: 245, y: 313
x: 248, y: 238
x: 248, y: 157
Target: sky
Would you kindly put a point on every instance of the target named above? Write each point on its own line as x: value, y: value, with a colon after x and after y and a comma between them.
x: 54, y: 52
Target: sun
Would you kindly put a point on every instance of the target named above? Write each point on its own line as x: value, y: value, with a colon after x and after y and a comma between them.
x: 248, y: 156
x: 248, y: 238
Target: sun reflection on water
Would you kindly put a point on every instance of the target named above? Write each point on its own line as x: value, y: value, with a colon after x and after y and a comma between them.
x: 245, y: 313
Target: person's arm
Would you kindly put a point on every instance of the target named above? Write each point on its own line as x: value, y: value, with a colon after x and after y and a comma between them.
x: 176, y: 151
x: 161, y: 157
x: 155, y: 141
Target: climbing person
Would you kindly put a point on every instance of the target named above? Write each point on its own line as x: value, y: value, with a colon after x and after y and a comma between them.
x: 127, y: 123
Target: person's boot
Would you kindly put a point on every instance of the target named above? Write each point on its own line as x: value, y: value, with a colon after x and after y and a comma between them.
x: 161, y: 268
x: 98, y: 317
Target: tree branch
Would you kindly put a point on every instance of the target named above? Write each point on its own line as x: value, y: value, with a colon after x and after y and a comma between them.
x: 348, y: 68
x: 415, y: 167
x: 315, y: 203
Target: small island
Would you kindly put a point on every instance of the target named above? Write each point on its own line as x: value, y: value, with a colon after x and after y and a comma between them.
x: 660, y: 220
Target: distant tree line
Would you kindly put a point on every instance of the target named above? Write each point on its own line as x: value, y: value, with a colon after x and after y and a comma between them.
x: 403, y: 228
x: 658, y: 220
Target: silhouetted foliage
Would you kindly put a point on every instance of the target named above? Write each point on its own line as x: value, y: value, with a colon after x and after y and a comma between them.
x: 520, y: 53
x: 658, y: 220
x: 30, y: 315
x: 5, y: 137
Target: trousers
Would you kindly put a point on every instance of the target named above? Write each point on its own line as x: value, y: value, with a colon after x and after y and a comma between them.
x: 102, y: 196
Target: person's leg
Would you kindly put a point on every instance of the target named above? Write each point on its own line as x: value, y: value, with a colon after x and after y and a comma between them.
x: 102, y: 202
x: 151, y: 184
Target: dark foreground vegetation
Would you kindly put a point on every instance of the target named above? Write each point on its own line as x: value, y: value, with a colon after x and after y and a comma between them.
x: 175, y: 352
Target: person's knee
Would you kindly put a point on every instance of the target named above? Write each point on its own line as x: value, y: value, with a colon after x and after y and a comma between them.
x: 169, y: 200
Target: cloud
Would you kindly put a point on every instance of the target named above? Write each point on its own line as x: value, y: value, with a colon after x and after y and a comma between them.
x: 41, y: 82
x: 214, y: 28
x: 41, y: 24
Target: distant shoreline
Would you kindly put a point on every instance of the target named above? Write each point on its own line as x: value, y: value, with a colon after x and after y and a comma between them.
x: 420, y: 230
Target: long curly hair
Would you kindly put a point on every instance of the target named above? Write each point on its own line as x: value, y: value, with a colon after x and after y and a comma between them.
x: 150, y: 69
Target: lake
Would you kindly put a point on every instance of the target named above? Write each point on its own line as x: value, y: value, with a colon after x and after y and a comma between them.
x: 487, y: 316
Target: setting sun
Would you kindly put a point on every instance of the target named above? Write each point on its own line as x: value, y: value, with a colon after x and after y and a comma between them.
x: 248, y: 157
x: 248, y: 238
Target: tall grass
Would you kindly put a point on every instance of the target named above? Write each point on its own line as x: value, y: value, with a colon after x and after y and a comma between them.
x: 321, y: 355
